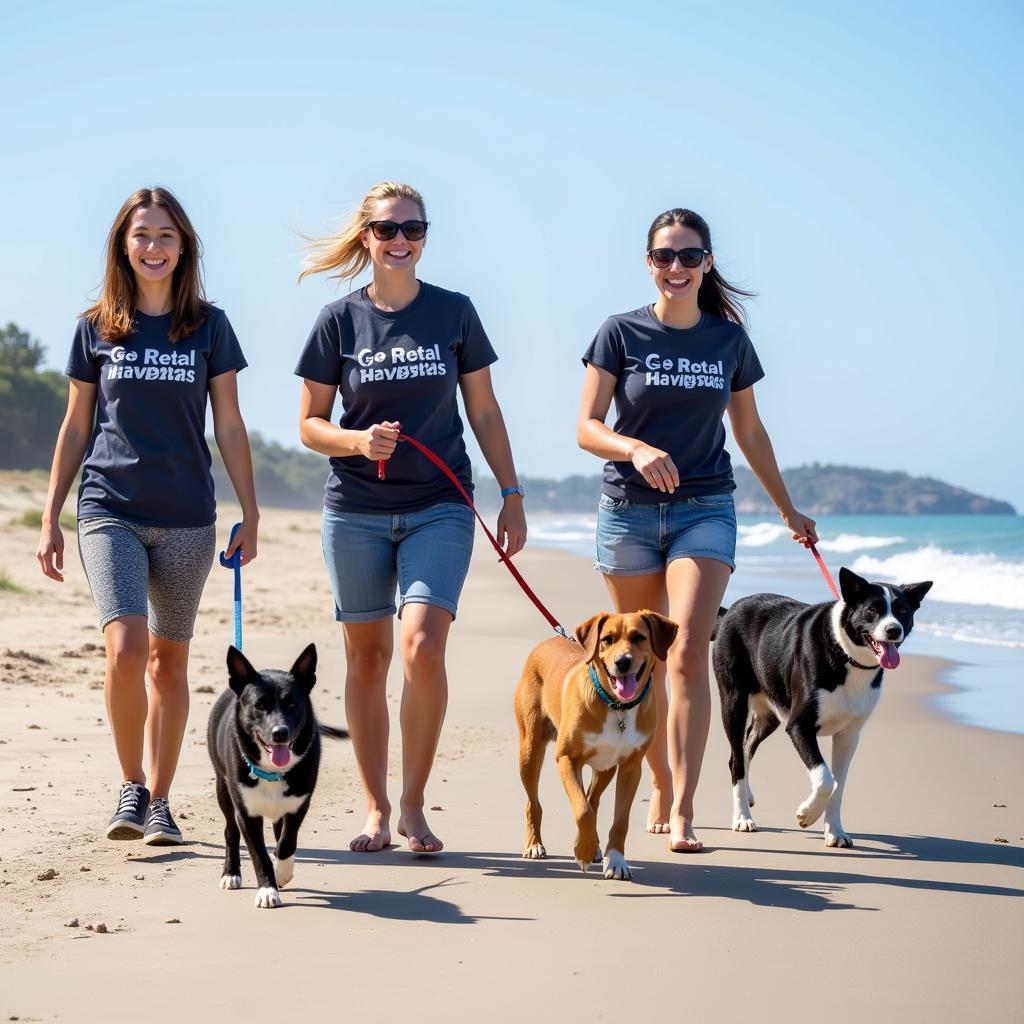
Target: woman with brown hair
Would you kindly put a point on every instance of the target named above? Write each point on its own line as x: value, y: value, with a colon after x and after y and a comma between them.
x: 398, y: 351
x: 144, y: 359
x: 666, y: 523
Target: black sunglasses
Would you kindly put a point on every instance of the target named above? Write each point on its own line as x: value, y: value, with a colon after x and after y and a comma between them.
x: 385, y: 230
x: 664, y: 258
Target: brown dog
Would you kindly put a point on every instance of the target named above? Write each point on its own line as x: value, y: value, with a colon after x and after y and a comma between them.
x: 558, y: 699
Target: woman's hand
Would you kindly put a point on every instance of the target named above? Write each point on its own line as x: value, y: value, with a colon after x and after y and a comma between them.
x: 245, y: 539
x: 803, y: 527
x: 50, y: 553
x: 656, y: 467
x: 379, y: 441
x: 511, y: 530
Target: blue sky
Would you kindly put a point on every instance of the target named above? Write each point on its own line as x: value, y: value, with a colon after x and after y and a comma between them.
x: 859, y: 168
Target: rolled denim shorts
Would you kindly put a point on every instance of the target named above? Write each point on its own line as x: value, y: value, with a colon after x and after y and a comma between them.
x: 636, y: 539
x: 424, y: 554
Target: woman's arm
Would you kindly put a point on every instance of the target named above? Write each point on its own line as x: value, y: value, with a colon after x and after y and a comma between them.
x: 756, y: 446
x: 319, y: 434
x: 488, y: 425
x: 72, y: 440
x: 233, y: 442
x: 595, y: 436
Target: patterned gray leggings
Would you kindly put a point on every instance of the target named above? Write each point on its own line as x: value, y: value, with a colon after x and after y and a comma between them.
x: 125, y: 562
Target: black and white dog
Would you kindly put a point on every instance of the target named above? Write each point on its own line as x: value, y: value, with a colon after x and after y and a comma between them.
x: 818, y: 670
x: 264, y: 742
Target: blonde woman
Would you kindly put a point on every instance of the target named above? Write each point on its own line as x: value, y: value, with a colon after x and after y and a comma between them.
x: 398, y: 351
x: 143, y: 361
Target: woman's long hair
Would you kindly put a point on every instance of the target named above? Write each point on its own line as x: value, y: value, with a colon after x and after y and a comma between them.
x: 113, y: 314
x: 716, y: 295
x: 344, y: 252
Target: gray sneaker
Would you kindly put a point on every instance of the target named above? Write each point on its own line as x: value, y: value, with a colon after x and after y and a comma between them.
x: 160, y: 827
x: 129, y: 820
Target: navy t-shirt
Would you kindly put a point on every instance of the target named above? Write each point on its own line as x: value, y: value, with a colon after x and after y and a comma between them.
x: 148, y: 461
x: 672, y: 388
x: 402, y: 366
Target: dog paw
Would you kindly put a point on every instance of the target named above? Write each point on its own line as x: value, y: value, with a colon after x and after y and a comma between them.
x: 231, y: 881
x: 267, y: 898
x: 535, y: 852
x: 837, y: 837
x: 743, y: 823
x: 587, y: 851
x: 750, y: 795
x: 285, y: 871
x: 615, y: 866
x: 812, y: 808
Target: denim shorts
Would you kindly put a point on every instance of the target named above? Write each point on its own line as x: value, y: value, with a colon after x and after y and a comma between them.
x: 425, y: 554
x: 636, y: 540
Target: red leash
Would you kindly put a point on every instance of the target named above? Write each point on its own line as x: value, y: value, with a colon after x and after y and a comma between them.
x: 825, y: 572
x: 439, y: 462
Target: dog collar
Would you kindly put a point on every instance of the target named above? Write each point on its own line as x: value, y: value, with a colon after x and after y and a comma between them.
x: 256, y: 772
x: 850, y: 661
x: 615, y: 705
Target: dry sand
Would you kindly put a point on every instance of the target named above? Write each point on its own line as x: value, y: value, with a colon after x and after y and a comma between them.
x: 921, y: 921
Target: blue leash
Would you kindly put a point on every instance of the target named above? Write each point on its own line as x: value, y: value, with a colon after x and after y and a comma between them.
x: 235, y: 562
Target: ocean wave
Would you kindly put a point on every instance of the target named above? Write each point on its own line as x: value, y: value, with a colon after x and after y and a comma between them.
x: 978, y: 579
x: 761, y: 534
x: 967, y: 634
x: 847, y: 542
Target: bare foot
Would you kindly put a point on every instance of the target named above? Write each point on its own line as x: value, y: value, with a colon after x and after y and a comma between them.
x: 659, y: 811
x: 376, y: 834
x: 413, y: 827
x: 683, y: 840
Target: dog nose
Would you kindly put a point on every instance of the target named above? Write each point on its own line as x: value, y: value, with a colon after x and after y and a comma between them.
x: 623, y: 662
x: 893, y: 632
x: 279, y: 734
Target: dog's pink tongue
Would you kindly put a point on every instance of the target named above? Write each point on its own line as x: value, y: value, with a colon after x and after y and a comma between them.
x: 279, y: 754
x: 625, y: 687
x: 889, y: 656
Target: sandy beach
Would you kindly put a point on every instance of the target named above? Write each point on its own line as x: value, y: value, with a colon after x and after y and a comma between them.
x: 921, y: 921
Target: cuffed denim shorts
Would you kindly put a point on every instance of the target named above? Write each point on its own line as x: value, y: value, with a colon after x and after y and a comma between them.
x: 636, y: 540
x: 425, y: 554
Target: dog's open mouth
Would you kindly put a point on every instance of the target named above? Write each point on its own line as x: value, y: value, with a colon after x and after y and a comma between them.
x: 886, y: 652
x: 280, y: 753
x: 625, y: 687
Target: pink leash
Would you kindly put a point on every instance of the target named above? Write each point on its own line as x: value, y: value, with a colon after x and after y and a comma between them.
x: 825, y: 572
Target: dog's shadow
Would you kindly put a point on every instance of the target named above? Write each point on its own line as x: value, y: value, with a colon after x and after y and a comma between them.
x: 395, y: 904
x: 769, y: 884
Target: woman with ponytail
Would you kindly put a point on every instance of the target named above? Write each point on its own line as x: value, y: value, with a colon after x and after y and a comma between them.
x: 398, y: 351
x: 666, y: 532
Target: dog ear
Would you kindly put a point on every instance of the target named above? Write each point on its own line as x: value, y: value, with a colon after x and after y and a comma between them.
x: 240, y: 671
x: 304, y: 669
x: 589, y: 634
x: 851, y: 586
x: 663, y: 633
x: 915, y: 592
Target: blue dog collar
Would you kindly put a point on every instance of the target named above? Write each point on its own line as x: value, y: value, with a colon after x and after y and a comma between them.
x: 255, y: 772
x: 614, y: 704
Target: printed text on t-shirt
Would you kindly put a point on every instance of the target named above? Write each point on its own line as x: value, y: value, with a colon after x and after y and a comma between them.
x: 156, y: 365
x: 405, y: 363
x: 683, y: 373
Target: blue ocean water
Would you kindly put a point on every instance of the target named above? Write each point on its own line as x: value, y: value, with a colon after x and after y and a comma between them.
x: 973, y: 615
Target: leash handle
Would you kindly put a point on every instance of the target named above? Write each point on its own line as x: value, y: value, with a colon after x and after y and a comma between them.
x: 235, y: 563
x: 825, y: 572
x: 516, y: 575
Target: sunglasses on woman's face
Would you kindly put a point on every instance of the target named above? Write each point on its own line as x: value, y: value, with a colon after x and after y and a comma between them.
x: 385, y: 230
x: 664, y: 258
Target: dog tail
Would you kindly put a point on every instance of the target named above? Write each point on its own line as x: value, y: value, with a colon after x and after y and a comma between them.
x: 718, y: 619
x: 333, y: 731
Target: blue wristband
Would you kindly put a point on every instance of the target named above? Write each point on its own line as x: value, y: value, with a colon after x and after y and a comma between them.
x: 506, y: 491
